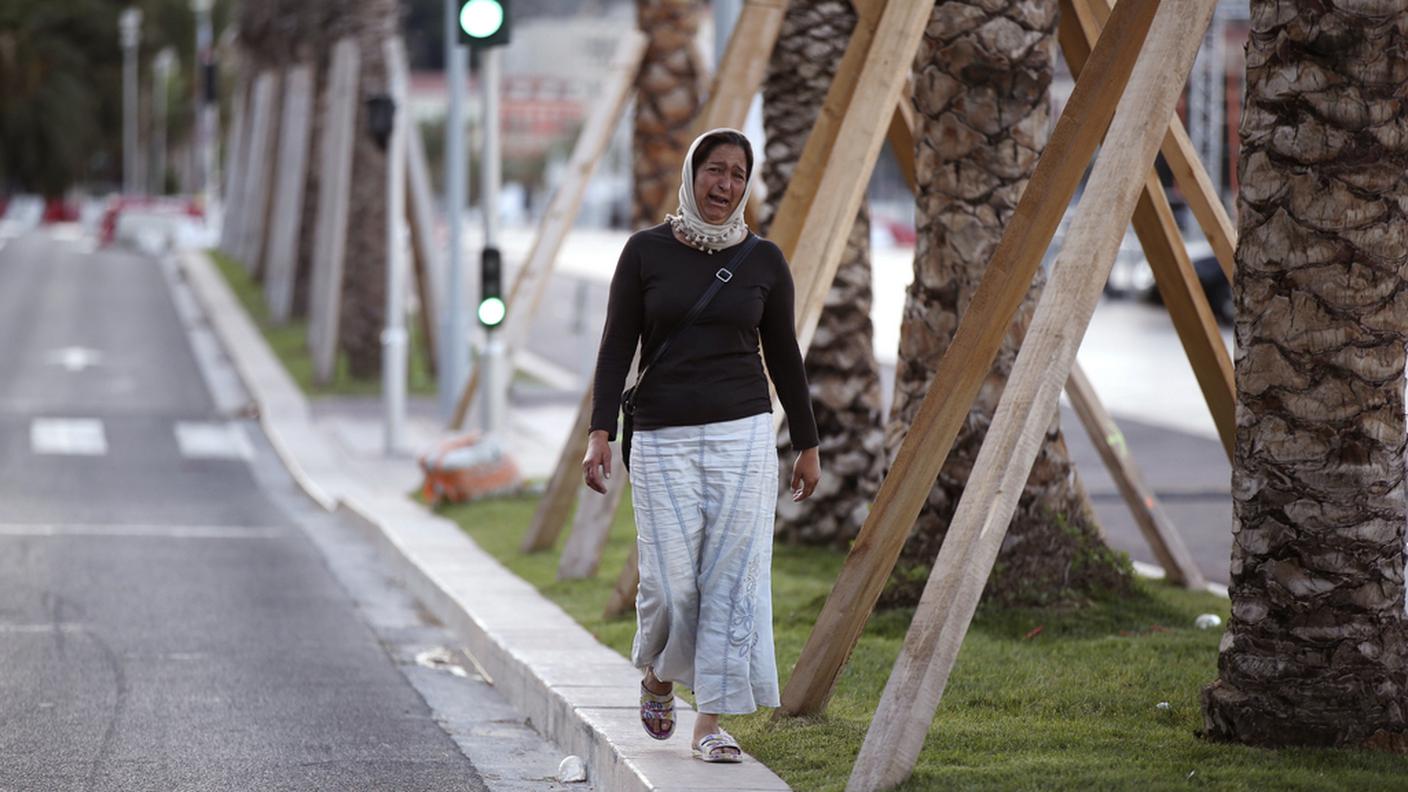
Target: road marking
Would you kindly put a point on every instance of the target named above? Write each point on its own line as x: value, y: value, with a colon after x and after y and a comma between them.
x: 141, y: 531
x: 51, y: 627
x: 213, y: 441
x: 72, y: 436
x: 74, y: 358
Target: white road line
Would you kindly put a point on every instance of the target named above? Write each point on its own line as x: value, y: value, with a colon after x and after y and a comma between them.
x: 67, y: 627
x: 213, y: 441
x: 73, y: 436
x: 141, y: 531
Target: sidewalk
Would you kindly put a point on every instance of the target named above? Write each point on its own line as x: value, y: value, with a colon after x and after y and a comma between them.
x: 576, y: 692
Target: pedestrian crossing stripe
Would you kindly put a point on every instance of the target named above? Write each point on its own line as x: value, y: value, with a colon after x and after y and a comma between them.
x: 213, y: 441
x: 68, y: 436
x: 87, y: 437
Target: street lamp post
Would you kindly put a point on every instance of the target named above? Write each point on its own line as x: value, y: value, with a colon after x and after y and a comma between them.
x: 206, y: 108
x: 129, y: 24
x: 162, y: 65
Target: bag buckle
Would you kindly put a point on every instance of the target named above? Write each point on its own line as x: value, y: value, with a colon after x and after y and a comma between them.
x: 723, y: 275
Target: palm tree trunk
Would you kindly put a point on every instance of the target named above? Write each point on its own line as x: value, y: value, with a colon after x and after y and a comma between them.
x: 364, y: 283
x: 667, y: 98
x: 841, y: 367
x: 980, y: 89
x: 1316, y: 651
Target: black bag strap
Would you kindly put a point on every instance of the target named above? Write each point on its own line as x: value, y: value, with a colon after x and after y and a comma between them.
x: 724, y: 275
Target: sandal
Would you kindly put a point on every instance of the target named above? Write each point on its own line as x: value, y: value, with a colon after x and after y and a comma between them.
x: 657, y: 708
x: 719, y: 748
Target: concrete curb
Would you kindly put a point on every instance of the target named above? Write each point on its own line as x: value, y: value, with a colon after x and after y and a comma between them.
x: 576, y: 691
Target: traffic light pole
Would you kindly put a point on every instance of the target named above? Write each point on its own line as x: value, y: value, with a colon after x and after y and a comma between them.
x: 394, y: 337
x: 207, y: 112
x: 454, y: 330
x: 495, y: 385
x: 130, y: 28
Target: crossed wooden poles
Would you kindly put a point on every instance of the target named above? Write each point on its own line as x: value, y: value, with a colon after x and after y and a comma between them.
x: 800, y: 214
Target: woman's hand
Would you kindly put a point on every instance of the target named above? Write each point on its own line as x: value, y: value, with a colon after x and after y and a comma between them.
x: 806, y: 472
x: 596, y: 465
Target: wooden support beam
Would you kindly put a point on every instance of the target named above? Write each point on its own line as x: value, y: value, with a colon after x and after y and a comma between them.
x: 1029, y: 399
x: 738, y: 79
x: 901, y: 136
x: 863, y: 96
x: 1165, y: 250
x: 590, y: 526
x: 531, y: 281
x: 1188, y: 307
x: 1088, y: 17
x: 795, y: 204
x: 1153, y: 522
x: 1149, y: 515
x: 295, y: 132
x: 556, y: 503
x: 964, y: 367
x: 334, y: 192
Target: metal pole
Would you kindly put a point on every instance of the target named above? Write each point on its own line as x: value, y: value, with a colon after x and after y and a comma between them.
x: 161, y: 77
x: 393, y: 338
x: 206, y: 110
x: 495, y: 385
x: 454, y: 332
x: 130, y: 26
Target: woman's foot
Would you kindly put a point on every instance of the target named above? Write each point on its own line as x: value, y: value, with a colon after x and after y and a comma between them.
x: 713, y: 744
x: 719, y: 748
x: 657, y: 706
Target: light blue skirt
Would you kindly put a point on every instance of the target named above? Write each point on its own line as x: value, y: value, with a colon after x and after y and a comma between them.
x: 704, y: 498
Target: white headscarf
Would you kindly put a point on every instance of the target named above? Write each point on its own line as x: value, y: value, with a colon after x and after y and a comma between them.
x: 691, y: 225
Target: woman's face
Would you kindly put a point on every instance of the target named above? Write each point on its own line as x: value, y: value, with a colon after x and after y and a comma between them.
x: 720, y: 181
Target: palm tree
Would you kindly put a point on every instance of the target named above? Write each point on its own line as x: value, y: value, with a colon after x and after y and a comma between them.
x: 1316, y: 651
x: 667, y: 97
x: 980, y: 92
x: 364, y: 284
x: 841, y: 367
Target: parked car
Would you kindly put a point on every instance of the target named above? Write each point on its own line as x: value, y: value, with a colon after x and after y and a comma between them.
x: 1131, y: 276
x: 1210, y: 277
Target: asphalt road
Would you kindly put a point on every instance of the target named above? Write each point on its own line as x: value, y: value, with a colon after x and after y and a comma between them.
x: 164, y: 623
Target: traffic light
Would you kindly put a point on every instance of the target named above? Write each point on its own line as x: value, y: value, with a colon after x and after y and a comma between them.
x: 491, y: 301
x: 484, y: 23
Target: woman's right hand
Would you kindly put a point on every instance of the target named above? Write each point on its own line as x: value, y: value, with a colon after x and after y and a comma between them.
x: 596, y: 465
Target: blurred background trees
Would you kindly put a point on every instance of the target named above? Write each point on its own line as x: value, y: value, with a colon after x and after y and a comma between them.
x: 61, y: 91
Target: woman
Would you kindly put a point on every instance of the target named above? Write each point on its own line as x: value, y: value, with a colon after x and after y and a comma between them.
x: 703, y: 464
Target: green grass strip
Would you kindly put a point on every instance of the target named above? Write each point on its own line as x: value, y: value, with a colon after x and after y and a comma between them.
x: 290, y: 343
x: 1074, y: 706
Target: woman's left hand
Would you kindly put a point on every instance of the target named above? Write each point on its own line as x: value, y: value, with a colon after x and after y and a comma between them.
x: 806, y: 472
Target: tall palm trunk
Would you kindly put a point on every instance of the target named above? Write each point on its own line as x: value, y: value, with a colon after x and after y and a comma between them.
x: 1316, y: 651
x: 667, y: 98
x: 364, y: 279
x: 980, y: 89
x: 841, y: 367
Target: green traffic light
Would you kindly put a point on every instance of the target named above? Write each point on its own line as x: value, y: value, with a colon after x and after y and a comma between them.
x: 492, y: 311
x: 481, y: 18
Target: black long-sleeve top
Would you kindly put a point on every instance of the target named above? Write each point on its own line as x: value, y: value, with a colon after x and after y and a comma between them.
x: 712, y: 371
